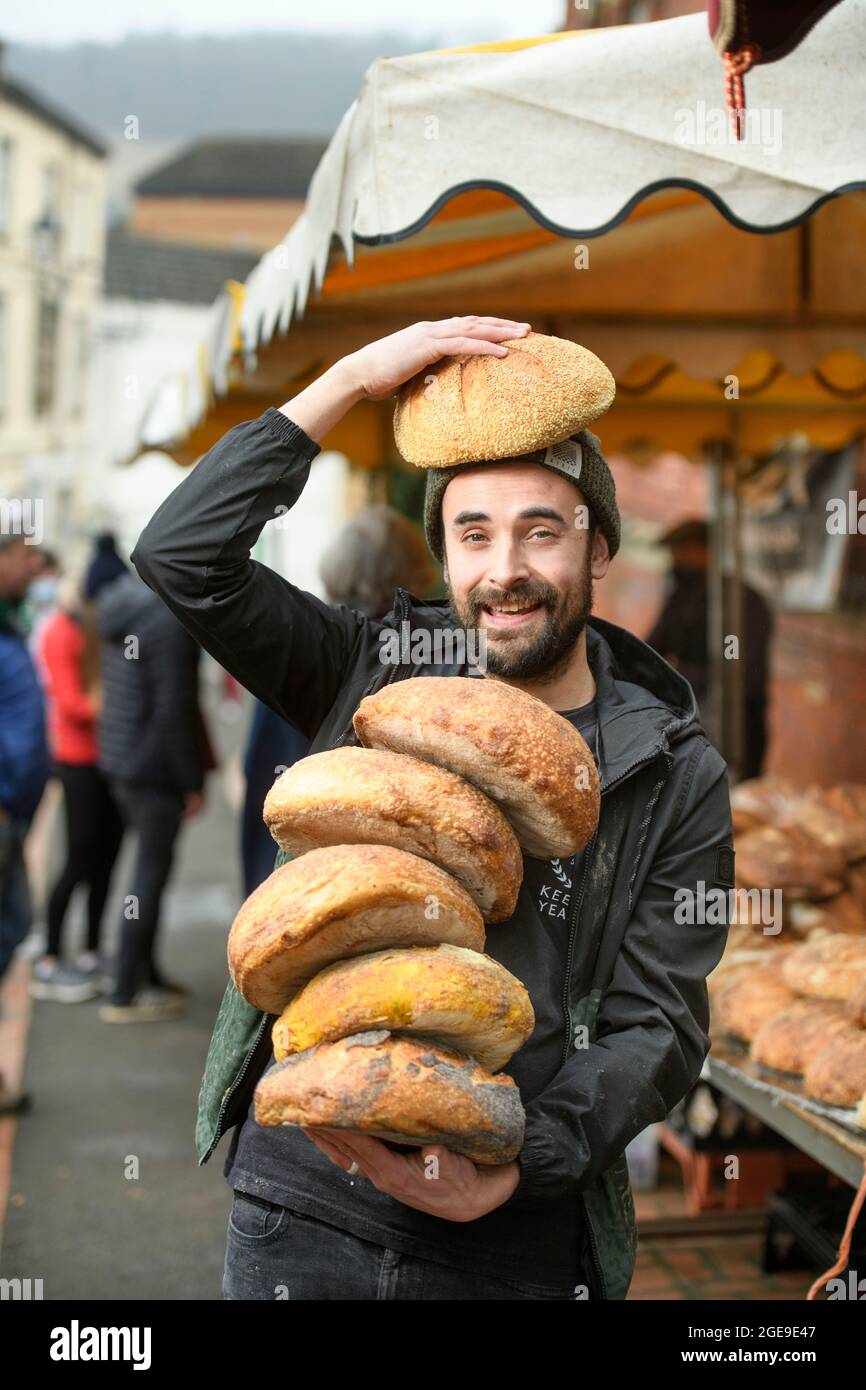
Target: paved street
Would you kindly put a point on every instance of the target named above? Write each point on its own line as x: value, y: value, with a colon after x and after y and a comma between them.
x: 105, y: 1094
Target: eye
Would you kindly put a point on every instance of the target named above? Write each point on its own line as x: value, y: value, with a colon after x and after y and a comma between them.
x: 473, y: 536
x: 541, y: 533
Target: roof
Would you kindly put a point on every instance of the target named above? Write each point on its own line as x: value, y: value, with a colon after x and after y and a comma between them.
x: 145, y: 268
x: 36, y: 105
x: 238, y: 168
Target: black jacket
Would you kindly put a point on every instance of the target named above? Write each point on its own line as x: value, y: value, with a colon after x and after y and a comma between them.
x: 149, y: 728
x: 636, y: 984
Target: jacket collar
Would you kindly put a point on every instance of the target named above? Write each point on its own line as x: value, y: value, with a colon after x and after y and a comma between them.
x: 642, y: 701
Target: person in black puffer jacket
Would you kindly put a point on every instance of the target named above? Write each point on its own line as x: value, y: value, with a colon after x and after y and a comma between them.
x: 152, y: 750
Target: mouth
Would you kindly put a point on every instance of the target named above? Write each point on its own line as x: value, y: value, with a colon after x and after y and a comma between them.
x: 513, y: 614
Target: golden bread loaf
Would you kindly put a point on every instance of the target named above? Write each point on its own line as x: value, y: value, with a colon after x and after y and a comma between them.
x: 828, y: 966
x: 836, y: 1073
x: 472, y: 408
x: 750, y: 998
x: 835, y: 817
x: 518, y: 751
x: 342, y: 901
x: 787, y: 1041
x: 843, y: 914
x: 406, y: 1090
x: 362, y: 796
x: 762, y: 801
x: 456, y: 998
x: 787, y: 857
x: 855, y: 1004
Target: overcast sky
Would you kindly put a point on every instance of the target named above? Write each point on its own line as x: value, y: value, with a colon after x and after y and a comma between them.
x: 60, y: 22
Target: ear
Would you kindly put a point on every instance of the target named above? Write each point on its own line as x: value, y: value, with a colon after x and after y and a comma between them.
x: 599, y: 555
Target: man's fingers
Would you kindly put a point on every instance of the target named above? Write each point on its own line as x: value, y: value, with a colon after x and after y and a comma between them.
x: 462, y: 347
x: 473, y: 325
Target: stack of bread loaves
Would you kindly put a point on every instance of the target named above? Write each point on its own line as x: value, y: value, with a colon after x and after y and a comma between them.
x: 369, y: 945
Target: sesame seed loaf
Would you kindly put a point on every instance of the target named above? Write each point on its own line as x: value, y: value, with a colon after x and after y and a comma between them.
x: 474, y: 407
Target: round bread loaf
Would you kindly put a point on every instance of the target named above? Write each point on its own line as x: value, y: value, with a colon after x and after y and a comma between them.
x: 829, y: 966
x: 406, y: 1090
x: 358, y: 796
x: 836, y: 1074
x: 835, y: 817
x: 843, y: 914
x: 457, y: 998
x: 788, y: 1040
x: 517, y: 750
x: 786, y: 857
x: 342, y: 901
x: 471, y: 408
x: 855, y: 1004
x: 763, y: 801
x: 742, y: 1006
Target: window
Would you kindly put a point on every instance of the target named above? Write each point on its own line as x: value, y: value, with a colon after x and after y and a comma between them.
x: 45, y: 365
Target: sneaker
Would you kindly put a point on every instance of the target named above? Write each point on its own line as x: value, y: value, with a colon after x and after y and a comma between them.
x: 169, y: 987
x: 62, y: 984
x: 149, y: 1006
x: 96, y: 967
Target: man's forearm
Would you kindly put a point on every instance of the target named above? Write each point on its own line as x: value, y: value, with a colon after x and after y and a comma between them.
x: 322, y: 404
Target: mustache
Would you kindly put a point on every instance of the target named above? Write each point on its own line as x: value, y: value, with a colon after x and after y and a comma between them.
x: 536, y: 592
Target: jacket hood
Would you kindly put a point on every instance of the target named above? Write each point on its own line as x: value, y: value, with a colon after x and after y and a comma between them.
x: 122, y: 602
x: 643, y: 703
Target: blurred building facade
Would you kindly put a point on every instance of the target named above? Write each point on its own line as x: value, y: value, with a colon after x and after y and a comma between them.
x: 52, y: 246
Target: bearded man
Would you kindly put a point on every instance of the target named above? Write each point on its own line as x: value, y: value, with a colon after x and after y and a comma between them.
x: 616, y: 980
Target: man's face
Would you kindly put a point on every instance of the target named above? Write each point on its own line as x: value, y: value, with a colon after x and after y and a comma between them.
x: 519, y: 564
x: 19, y: 565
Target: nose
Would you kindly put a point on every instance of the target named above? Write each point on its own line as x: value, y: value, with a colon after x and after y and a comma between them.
x: 508, y: 565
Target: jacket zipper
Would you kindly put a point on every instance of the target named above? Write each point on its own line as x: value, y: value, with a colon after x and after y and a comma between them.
x: 403, y: 607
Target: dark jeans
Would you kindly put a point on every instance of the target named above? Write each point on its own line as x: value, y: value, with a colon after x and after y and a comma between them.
x: 274, y: 1253
x: 15, y: 912
x: 94, y: 830
x: 154, y: 814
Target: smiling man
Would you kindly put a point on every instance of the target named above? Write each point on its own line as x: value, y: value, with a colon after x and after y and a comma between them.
x: 616, y: 979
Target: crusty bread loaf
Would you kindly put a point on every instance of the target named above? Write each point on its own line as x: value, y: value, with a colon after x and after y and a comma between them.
x: 786, y: 857
x: 751, y: 997
x: 855, y: 1004
x: 517, y: 750
x: 457, y: 998
x: 475, y: 407
x: 763, y: 801
x: 835, y: 816
x: 844, y: 914
x: 360, y: 796
x: 342, y: 901
x: 788, y: 1040
x: 828, y: 966
x: 836, y: 1074
x: 406, y: 1090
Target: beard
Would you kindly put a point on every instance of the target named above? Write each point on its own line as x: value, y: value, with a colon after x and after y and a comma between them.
x: 546, y: 651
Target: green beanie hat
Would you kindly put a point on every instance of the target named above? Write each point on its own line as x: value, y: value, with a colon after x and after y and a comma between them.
x: 578, y: 458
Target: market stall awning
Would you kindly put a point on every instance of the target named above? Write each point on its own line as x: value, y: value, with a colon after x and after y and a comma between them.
x: 576, y: 128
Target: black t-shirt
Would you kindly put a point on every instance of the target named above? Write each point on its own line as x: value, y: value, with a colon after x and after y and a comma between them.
x: 539, y: 1244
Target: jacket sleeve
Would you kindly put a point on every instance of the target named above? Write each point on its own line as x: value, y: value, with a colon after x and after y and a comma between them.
x: 286, y: 646
x: 651, y: 1030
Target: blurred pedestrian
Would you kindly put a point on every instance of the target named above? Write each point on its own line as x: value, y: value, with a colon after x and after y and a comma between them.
x: 152, y: 748
x: 68, y: 658
x: 23, y: 752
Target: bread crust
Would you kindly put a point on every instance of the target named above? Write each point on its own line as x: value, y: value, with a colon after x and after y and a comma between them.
x: 836, y: 1074
x: 787, y: 1041
x: 786, y: 857
x: 828, y: 966
x: 518, y: 751
x: 362, y: 796
x: 752, y: 997
x: 406, y: 1090
x: 487, y: 407
x: 459, y: 999
x: 345, y: 900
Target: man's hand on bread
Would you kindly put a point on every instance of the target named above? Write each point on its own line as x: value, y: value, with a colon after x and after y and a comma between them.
x: 381, y: 367
x: 460, y: 1191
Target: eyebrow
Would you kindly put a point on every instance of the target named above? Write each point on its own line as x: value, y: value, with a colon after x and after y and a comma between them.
x: 528, y: 513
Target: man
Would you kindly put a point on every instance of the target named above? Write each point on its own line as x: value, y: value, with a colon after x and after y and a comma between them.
x: 680, y: 635
x: 23, y: 752
x: 151, y: 750
x: 618, y: 987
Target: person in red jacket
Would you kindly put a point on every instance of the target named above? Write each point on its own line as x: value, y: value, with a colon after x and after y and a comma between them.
x: 67, y: 653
